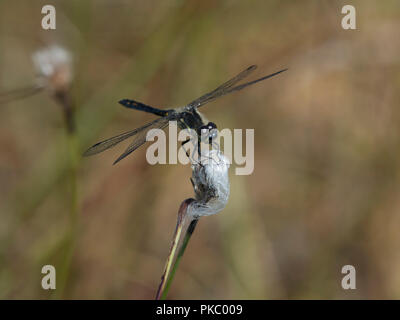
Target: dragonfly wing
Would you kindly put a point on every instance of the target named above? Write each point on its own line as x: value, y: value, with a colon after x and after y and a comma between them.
x: 228, y: 89
x: 111, y: 142
x: 219, y: 91
x: 141, y: 136
x: 244, y: 85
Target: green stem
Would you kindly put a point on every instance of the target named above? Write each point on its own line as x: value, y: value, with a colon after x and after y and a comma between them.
x: 167, y: 276
x: 64, y: 271
x: 185, y: 242
x: 170, y: 259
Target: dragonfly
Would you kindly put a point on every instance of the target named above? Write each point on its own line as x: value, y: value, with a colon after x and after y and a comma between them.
x: 187, y: 117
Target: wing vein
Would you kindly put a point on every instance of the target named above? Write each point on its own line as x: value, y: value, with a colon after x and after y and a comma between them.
x: 113, y: 141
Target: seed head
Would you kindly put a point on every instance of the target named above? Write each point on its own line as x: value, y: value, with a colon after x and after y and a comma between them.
x: 54, y: 67
x: 210, y: 180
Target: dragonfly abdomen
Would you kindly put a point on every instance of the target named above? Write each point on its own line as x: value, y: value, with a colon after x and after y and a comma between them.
x: 132, y: 104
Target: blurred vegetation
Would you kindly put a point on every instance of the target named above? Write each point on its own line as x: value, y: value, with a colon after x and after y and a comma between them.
x: 324, y: 192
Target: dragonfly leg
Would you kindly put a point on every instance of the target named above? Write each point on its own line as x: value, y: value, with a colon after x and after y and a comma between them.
x: 183, y: 143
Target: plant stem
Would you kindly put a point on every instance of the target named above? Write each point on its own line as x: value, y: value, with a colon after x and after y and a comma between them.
x: 185, y: 242
x: 73, y: 154
x: 166, y: 277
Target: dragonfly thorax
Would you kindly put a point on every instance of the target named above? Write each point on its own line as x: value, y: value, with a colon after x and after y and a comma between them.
x: 192, y: 119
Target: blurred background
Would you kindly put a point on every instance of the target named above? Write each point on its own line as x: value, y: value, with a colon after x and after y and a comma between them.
x: 325, y: 189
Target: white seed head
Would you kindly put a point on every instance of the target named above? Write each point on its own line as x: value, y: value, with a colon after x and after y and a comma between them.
x: 54, y: 65
x: 211, y: 184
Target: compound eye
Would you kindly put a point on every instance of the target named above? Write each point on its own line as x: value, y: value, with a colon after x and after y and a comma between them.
x: 203, y: 130
x: 211, y: 125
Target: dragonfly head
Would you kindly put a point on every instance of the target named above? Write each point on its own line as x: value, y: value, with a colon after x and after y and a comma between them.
x: 208, y: 132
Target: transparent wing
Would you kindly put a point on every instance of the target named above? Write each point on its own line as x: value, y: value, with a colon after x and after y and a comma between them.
x: 20, y: 93
x: 111, y: 142
x: 219, y: 91
x: 228, y: 89
x: 141, y: 136
x: 244, y: 85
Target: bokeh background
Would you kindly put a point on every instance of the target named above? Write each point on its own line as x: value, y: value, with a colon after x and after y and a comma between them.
x: 326, y: 185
